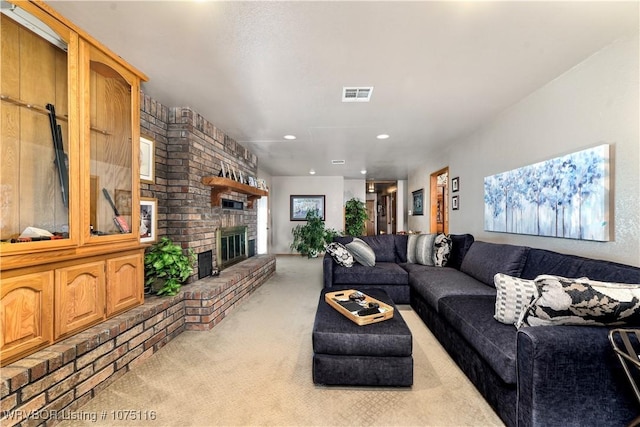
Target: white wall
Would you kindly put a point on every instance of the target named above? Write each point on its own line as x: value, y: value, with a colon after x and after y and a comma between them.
x: 355, y: 188
x: 284, y: 186
x: 595, y: 102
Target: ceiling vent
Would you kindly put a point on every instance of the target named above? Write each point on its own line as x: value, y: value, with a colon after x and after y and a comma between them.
x: 338, y: 162
x: 357, y: 94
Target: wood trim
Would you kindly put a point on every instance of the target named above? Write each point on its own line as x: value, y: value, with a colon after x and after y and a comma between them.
x: 433, y: 203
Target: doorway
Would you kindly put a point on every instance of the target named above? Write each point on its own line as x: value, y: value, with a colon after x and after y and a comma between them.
x: 439, y: 186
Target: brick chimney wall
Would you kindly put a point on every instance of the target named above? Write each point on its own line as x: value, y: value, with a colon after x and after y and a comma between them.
x: 187, y: 148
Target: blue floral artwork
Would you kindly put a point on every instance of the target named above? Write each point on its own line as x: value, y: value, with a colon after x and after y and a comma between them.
x: 564, y: 197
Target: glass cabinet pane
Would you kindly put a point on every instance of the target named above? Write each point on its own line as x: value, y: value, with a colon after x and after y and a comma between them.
x: 111, y: 150
x: 34, y: 142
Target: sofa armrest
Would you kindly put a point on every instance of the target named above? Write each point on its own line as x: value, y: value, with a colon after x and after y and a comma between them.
x: 570, y: 376
x: 327, y: 270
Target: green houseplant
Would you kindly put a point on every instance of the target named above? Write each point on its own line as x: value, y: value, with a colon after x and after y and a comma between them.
x: 166, y: 267
x: 309, y: 239
x: 355, y: 216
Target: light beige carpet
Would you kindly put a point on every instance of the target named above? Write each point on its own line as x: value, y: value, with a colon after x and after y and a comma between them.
x: 254, y: 368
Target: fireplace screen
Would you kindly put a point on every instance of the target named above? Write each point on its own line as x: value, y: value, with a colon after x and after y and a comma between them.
x: 231, y: 245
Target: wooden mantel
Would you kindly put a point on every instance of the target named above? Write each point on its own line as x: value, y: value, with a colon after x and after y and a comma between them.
x: 220, y: 186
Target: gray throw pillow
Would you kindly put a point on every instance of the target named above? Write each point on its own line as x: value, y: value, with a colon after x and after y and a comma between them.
x: 512, y: 295
x: 340, y: 254
x: 424, y: 249
x: 411, y: 248
x: 361, y: 252
x: 562, y: 301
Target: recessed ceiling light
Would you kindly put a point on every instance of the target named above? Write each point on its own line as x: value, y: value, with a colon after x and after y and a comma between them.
x: 312, y: 172
x: 382, y: 136
x: 290, y: 137
x: 363, y: 171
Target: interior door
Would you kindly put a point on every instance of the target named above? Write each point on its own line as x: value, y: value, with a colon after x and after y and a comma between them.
x: 371, y: 220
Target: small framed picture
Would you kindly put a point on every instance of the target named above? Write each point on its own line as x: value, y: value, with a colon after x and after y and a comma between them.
x: 455, y: 184
x: 455, y: 203
x: 148, y: 220
x: 147, y: 160
x: 418, y: 202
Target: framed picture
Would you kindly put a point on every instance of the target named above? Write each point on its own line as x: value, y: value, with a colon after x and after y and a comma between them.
x: 455, y: 203
x: 148, y: 220
x: 123, y: 201
x: 147, y: 160
x: 300, y: 205
x: 455, y: 184
x: 418, y: 202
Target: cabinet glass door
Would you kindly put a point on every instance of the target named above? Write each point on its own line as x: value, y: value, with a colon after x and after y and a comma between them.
x: 111, y: 155
x: 34, y: 131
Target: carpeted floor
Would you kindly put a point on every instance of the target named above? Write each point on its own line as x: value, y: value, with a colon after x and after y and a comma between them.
x: 254, y: 368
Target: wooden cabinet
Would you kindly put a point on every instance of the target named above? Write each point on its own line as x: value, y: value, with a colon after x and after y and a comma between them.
x: 26, y: 312
x: 123, y: 292
x: 79, y: 297
x: 69, y: 136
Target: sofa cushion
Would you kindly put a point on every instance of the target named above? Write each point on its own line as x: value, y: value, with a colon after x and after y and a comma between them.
x: 472, y: 318
x: 435, y: 283
x: 484, y: 260
x: 540, y: 261
x: 441, y: 250
x: 400, y: 241
x: 340, y: 254
x: 460, y: 244
x: 563, y: 301
x: 383, y: 273
x: 512, y: 295
x: 424, y: 249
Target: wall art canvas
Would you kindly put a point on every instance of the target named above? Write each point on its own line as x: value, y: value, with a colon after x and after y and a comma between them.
x: 565, y: 197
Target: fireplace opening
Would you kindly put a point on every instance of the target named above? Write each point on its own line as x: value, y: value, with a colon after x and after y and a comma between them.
x: 231, y: 245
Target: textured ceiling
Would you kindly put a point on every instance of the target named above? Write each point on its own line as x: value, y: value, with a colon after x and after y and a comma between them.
x: 261, y: 70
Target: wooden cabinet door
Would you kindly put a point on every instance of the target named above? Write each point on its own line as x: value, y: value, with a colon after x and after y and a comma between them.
x: 79, y: 297
x: 125, y: 276
x: 26, y: 307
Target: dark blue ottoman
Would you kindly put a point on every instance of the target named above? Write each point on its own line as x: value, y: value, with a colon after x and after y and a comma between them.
x: 371, y: 355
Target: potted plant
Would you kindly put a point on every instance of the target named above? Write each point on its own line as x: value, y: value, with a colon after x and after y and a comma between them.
x: 355, y: 216
x: 166, y: 267
x: 309, y: 239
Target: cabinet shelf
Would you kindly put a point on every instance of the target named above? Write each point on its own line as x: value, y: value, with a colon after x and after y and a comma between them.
x: 220, y: 186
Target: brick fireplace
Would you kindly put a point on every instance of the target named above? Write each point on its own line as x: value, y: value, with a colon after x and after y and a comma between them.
x: 189, y: 147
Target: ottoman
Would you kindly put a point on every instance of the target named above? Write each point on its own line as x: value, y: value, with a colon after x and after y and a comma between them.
x: 344, y: 353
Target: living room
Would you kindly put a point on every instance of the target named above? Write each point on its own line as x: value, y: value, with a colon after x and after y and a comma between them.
x: 580, y: 99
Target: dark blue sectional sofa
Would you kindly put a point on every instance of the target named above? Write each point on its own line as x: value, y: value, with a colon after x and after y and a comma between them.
x: 534, y: 376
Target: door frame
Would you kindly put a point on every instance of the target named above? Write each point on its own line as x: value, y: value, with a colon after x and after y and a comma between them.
x: 433, y: 190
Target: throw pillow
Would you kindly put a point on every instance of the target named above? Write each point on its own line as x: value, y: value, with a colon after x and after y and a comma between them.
x: 562, y: 301
x: 512, y: 295
x: 361, y: 252
x: 340, y: 254
x: 441, y: 250
x: 411, y: 248
x: 424, y: 249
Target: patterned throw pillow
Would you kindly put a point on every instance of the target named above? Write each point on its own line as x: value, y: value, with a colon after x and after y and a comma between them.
x: 361, y: 252
x: 513, y: 294
x: 441, y: 250
x: 562, y: 301
x: 340, y: 254
x: 424, y: 249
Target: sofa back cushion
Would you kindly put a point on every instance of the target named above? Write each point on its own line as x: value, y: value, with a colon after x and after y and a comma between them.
x: 541, y: 261
x: 401, y: 247
x: 459, y: 247
x: 484, y: 260
x: 383, y: 245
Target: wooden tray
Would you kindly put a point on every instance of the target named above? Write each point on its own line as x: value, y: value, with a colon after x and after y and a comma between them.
x: 332, y: 298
